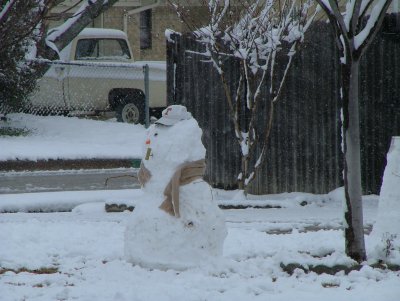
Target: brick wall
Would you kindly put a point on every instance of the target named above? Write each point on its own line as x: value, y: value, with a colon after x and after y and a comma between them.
x: 163, y: 17
x: 114, y: 18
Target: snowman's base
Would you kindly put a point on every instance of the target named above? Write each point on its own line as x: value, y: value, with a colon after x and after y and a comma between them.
x: 155, y: 239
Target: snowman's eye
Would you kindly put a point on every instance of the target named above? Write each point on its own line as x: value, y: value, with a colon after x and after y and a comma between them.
x: 155, y: 134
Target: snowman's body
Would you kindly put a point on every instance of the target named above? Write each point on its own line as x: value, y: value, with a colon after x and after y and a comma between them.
x: 154, y: 238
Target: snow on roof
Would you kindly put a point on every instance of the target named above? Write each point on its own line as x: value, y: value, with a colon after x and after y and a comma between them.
x: 102, y: 33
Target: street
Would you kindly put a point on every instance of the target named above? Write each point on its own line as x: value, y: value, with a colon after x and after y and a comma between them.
x: 68, y: 180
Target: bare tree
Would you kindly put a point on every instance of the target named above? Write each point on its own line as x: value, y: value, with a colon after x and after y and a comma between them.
x: 256, y: 33
x: 24, y: 37
x: 354, y: 25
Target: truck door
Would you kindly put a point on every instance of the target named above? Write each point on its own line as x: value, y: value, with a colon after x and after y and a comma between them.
x: 50, y: 93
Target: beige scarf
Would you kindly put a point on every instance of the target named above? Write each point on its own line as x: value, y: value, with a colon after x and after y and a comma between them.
x: 184, y: 174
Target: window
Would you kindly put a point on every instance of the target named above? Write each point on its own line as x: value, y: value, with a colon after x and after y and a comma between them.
x: 145, y: 29
x: 102, y: 49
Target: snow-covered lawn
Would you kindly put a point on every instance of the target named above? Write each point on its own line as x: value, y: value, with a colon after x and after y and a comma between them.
x: 86, y: 247
x: 56, y: 137
x: 79, y: 255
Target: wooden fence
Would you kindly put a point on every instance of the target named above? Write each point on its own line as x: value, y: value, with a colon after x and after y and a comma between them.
x: 305, y: 144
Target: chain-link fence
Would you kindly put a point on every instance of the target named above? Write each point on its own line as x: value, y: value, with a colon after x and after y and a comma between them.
x: 89, y: 88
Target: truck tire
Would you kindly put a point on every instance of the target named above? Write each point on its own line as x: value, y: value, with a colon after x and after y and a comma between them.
x: 130, y: 112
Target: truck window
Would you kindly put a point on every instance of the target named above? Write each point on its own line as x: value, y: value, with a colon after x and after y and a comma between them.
x: 102, y: 49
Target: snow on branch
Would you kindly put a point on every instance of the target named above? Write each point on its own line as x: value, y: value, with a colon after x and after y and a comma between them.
x: 59, y: 37
x: 377, y: 13
x: 351, y: 10
x: 356, y: 24
x: 256, y: 32
x: 56, y: 32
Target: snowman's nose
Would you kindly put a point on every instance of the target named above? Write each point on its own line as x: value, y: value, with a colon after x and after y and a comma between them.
x: 147, y: 141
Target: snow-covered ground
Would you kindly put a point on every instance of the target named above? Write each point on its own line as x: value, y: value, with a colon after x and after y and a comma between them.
x: 79, y: 255
x: 86, y: 247
x: 56, y: 137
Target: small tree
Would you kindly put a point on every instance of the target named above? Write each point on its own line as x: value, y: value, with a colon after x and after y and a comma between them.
x: 256, y: 33
x: 24, y: 38
x: 354, y: 25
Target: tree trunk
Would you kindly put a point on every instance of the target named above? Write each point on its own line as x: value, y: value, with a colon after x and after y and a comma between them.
x: 73, y: 27
x: 354, y: 228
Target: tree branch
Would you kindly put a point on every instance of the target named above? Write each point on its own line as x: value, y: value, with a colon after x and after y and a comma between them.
x: 373, y: 28
x: 334, y: 24
x: 339, y: 20
x: 62, y: 36
x: 354, y: 20
x: 364, y: 10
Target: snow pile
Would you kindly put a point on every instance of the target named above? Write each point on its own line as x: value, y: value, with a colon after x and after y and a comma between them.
x: 387, y: 227
x: 153, y: 237
x: 56, y: 137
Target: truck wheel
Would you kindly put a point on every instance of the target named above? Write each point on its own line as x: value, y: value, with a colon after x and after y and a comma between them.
x: 130, y: 112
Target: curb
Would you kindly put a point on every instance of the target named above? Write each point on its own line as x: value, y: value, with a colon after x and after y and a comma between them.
x: 51, y: 164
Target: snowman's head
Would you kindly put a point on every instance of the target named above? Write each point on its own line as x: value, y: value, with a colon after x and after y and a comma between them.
x: 175, y: 143
x: 173, y: 114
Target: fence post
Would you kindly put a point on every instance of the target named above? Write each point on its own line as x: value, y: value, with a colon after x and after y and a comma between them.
x: 146, y: 93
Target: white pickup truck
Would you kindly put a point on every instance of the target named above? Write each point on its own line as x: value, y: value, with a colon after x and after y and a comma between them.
x: 97, y: 74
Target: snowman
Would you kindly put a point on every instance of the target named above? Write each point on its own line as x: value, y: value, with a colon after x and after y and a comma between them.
x: 176, y: 224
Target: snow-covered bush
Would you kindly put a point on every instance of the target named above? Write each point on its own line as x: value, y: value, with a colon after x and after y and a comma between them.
x: 19, y: 30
